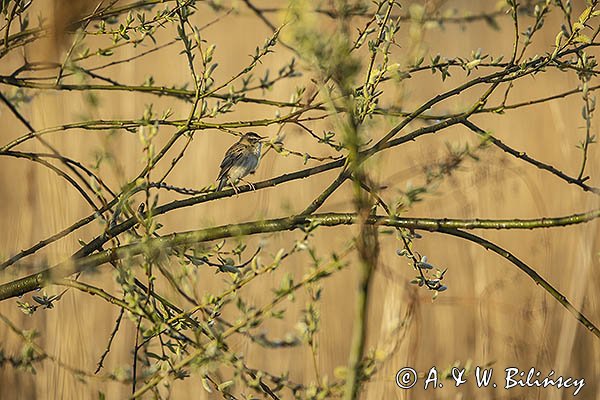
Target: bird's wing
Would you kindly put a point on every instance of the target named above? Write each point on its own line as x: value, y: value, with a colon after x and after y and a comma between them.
x: 232, y: 157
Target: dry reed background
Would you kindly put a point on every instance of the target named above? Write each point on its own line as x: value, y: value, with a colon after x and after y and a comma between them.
x: 492, y: 312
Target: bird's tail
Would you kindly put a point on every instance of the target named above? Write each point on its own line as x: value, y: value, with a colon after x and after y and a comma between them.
x: 222, y: 184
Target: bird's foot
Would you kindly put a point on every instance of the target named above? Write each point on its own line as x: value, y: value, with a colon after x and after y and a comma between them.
x: 249, y: 183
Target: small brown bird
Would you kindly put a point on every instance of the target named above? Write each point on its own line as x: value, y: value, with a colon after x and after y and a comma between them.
x: 240, y: 160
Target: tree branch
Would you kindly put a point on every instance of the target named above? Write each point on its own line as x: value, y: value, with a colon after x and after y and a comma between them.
x: 156, y: 246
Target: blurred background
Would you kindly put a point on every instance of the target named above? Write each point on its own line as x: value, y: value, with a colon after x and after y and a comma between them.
x: 492, y: 314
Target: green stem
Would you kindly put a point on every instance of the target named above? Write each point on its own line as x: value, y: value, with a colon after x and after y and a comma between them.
x: 156, y: 246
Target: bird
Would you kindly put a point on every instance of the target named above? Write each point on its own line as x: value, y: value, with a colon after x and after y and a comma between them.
x: 240, y: 160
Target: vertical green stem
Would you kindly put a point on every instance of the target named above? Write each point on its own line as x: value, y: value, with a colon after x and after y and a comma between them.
x: 359, y: 331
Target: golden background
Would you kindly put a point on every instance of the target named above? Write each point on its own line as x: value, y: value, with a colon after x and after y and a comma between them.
x: 491, y: 313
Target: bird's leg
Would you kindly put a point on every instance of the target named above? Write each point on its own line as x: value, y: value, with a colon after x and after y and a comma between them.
x: 235, y: 189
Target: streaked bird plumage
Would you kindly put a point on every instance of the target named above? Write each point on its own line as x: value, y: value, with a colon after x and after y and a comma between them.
x: 240, y: 160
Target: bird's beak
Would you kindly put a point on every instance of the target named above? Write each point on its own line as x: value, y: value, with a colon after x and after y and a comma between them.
x: 263, y: 139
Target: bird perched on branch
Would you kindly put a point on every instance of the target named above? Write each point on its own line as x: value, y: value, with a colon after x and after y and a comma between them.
x: 240, y: 160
